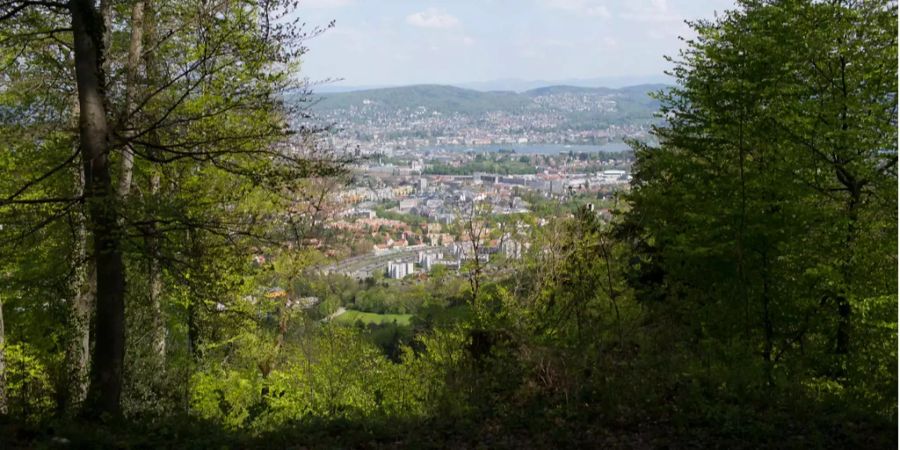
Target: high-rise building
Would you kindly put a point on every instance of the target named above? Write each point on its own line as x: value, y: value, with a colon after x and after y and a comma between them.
x: 398, y: 270
x: 428, y: 259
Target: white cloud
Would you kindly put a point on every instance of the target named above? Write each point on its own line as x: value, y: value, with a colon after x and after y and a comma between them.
x: 591, y: 8
x: 432, y: 18
x: 598, y: 11
x: 652, y: 11
x: 565, y: 5
x: 324, y: 4
x: 557, y: 43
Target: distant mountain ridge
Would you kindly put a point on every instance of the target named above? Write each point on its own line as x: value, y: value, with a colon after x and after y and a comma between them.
x: 631, y: 102
x: 520, y: 85
x: 429, y: 95
x: 640, y: 89
x: 515, y: 84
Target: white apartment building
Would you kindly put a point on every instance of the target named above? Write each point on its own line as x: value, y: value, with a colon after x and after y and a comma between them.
x: 398, y: 270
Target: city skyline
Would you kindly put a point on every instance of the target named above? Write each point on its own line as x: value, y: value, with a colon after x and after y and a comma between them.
x: 496, y: 43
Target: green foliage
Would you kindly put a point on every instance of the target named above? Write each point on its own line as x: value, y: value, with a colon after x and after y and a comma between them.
x: 332, y: 373
x: 744, y: 296
x: 873, y: 366
x: 29, y: 388
x: 763, y: 225
x: 225, y: 396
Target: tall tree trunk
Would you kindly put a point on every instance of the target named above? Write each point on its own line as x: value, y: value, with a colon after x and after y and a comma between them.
x: 83, y: 291
x: 105, y: 388
x: 155, y: 270
x: 3, y: 408
x: 768, y: 324
x: 193, y: 319
x: 854, y: 186
x: 842, y: 335
x: 131, y: 84
x: 106, y: 12
x: 159, y: 325
x: 152, y: 240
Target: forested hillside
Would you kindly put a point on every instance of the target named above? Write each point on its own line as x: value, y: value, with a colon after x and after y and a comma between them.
x: 164, y: 259
x: 446, y: 99
x: 449, y: 99
x: 579, y: 107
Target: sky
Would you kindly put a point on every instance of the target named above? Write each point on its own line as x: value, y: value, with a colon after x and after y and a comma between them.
x: 398, y: 42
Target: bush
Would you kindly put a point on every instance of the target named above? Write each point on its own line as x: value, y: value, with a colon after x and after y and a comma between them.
x: 29, y: 390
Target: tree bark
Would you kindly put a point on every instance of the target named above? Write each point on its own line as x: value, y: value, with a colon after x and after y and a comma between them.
x: 132, y: 69
x: 193, y: 319
x: 844, y: 309
x: 156, y: 286
x: 106, y: 12
x: 854, y: 187
x: 3, y: 407
x: 83, y: 289
x: 159, y: 325
x: 131, y: 80
x: 105, y: 389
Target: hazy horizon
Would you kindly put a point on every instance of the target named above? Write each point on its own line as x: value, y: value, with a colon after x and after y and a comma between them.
x: 503, y: 84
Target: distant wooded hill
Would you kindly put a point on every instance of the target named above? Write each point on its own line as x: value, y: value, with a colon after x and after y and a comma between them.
x: 629, y: 104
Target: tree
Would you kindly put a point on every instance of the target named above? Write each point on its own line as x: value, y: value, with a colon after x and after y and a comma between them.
x: 107, y: 366
x: 3, y: 395
x: 473, y: 222
x: 747, y: 219
x: 198, y: 124
x: 847, y: 75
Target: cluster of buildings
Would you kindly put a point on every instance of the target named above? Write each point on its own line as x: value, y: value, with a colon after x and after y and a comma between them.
x: 412, y: 219
x: 374, y: 144
x: 551, y: 118
x: 453, y: 255
x: 439, y: 198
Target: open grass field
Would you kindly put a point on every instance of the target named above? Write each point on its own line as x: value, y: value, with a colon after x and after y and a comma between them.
x: 351, y: 316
